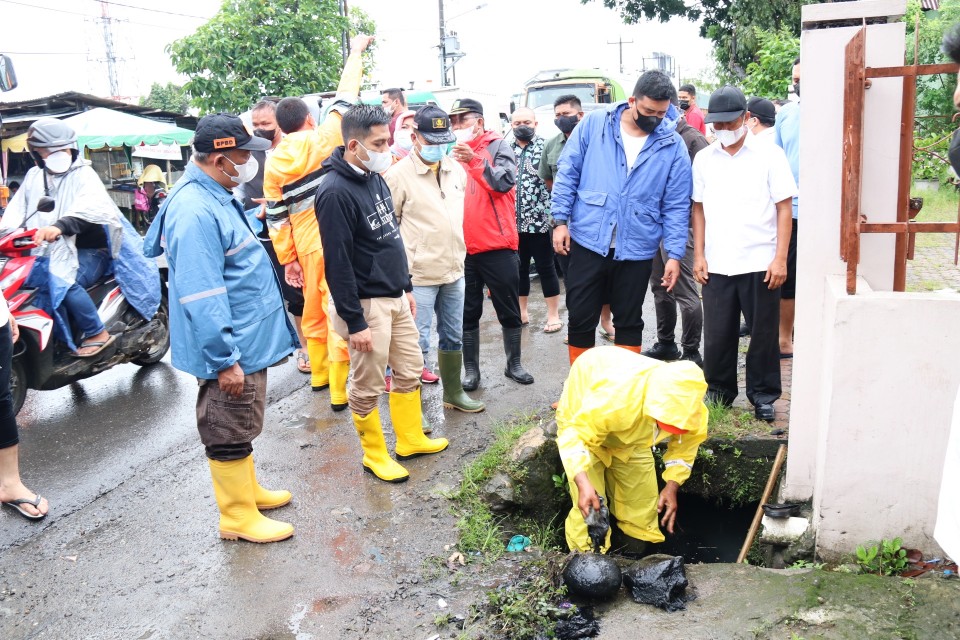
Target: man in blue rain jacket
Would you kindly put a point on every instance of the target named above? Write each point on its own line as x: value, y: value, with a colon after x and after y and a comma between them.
x: 623, y: 184
x: 227, y: 320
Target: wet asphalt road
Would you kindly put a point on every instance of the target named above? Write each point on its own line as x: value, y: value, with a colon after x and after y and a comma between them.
x: 131, y: 550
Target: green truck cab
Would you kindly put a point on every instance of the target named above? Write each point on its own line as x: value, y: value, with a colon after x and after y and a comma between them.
x: 590, y: 85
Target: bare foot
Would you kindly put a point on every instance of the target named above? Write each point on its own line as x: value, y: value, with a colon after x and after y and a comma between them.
x: 103, y: 336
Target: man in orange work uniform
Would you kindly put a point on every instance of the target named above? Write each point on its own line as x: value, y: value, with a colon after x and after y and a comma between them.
x: 289, y: 185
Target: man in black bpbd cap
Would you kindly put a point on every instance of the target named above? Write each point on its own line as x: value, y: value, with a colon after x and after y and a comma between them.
x: 227, y: 321
x: 742, y: 192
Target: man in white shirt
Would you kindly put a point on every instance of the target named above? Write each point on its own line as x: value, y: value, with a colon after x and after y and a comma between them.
x: 742, y: 192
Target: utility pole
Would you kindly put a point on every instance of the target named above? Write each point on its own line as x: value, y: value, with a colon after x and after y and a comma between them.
x: 345, y: 34
x: 443, y: 49
x: 111, y: 54
x: 620, y: 44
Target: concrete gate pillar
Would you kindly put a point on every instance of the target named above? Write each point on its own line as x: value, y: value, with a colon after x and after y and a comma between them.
x: 874, y: 374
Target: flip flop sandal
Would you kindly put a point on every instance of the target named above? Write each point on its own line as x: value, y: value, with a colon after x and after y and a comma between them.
x: 553, y: 327
x: 15, y: 504
x: 303, y: 362
x: 609, y: 337
x: 100, y: 347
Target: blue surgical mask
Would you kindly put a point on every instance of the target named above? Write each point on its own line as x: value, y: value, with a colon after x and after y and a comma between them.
x: 431, y: 153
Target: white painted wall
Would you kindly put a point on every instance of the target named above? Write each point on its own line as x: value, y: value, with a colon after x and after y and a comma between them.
x: 875, y: 374
x: 888, y: 408
x: 822, y: 77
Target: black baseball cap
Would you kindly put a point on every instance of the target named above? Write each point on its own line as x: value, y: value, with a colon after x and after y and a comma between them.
x: 762, y: 109
x: 726, y: 105
x: 222, y: 132
x: 433, y: 124
x: 466, y: 105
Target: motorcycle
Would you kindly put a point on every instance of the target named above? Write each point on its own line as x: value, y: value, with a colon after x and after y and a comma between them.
x: 42, y: 362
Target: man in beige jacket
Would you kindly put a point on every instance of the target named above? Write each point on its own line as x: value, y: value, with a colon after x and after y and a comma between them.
x: 428, y: 189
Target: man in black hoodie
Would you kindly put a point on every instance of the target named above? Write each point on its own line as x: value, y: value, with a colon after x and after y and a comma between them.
x: 372, y: 301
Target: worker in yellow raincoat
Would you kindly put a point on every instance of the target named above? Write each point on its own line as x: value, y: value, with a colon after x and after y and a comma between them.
x: 616, y: 405
x: 289, y: 185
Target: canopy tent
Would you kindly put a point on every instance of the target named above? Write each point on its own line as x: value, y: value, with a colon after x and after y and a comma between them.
x: 17, y: 144
x: 100, y: 127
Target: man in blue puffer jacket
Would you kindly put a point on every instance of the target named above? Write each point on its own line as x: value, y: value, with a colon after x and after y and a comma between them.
x: 623, y: 185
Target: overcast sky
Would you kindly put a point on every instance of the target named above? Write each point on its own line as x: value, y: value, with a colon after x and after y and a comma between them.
x: 506, y: 42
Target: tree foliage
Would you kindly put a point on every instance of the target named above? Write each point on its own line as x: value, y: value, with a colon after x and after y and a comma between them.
x: 771, y: 72
x: 732, y: 25
x: 251, y: 49
x: 168, y: 97
x: 934, y: 124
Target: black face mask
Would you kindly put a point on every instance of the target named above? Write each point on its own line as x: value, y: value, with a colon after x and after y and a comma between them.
x: 524, y: 133
x: 566, y: 124
x: 647, y: 123
x: 684, y: 105
x: 266, y: 134
x: 796, y: 88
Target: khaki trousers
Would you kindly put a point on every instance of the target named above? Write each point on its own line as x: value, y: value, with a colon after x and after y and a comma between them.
x: 395, y: 342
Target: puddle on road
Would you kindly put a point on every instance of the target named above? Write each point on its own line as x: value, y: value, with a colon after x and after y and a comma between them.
x: 311, y: 424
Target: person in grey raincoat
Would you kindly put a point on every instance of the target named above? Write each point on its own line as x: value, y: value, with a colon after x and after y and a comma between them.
x: 88, y: 238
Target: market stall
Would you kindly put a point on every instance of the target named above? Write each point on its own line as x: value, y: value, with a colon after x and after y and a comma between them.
x: 116, y: 143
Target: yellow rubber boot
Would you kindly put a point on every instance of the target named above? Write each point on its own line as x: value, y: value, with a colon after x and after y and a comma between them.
x: 339, y: 373
x: 239, y: 517
x: 319, y: 364
x: 265, y: 498
x: 376, y: 459
x: 407, y: 416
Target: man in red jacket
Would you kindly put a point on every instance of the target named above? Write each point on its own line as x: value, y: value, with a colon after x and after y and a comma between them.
x: 490, y: 232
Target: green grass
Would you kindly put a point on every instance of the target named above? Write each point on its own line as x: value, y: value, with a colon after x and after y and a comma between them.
x: 938, y: 206
x: 733, y: 422
x: 479, y: 528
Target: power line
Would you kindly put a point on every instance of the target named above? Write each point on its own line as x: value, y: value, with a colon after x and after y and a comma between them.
x: 45, y: 53
x: 91, y: 16
x: 169, y: 13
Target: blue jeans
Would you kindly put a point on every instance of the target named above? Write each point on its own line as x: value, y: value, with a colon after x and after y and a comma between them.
x: 81, y: 311
x: 447, y: 301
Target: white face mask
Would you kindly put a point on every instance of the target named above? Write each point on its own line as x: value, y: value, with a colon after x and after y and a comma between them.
x: 730, y: 138
x: 58, y: 162
x: 464, y: 135
x: 404, y: 139
x: 245, y: 172
x: 377, y: 161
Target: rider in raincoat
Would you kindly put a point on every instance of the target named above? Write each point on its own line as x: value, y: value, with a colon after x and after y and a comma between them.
x: 617, y: 405
x: 88, y: 236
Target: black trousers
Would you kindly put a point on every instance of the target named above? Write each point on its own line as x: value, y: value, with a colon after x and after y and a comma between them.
x: 724, y: 298
x: 499, y: 270
x: 538, y: 246
x: 292, y: 295
x: 594, y: 280
x: 8, y: 421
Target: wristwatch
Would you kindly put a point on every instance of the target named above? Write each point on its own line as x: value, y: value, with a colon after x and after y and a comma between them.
x: 559, y: 223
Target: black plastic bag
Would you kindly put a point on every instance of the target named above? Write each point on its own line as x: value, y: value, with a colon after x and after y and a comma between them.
x: 582, y: 624
x: 662, y: 584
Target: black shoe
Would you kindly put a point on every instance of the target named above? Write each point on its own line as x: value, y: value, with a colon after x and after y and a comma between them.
x: 471, y: 360
x: 511, y: 346
x: 714, y: 397
x: 666, y: 351
x: 693, y: 356
x: 744, y: 330
x: 764, y: 412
